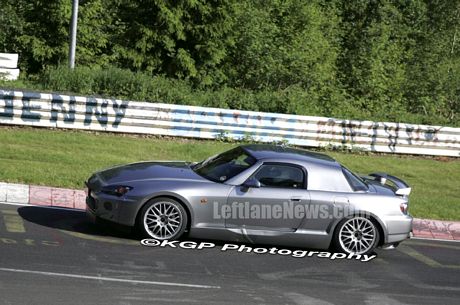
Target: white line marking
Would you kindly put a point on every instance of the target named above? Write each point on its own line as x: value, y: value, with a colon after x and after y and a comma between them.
x: 436, y: 239
x: 108, y: 279
x: 13, y: 222
x: 44, y: 206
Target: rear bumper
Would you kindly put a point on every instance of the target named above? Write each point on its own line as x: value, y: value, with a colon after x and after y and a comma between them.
x: 398, y: 228
x: 397, y: 238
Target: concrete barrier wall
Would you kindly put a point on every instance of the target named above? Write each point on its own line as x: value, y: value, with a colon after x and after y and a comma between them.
x: 77, y: 112
x: 8, y: 66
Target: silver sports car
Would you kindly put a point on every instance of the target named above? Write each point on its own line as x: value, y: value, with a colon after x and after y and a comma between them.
x: 264, y: 194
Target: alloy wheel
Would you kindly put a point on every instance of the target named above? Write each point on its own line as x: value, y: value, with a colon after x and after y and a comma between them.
x: 357, y: 235
x: 163, y: 220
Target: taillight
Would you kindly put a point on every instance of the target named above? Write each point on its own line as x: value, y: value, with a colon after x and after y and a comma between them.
x: 403, y: 207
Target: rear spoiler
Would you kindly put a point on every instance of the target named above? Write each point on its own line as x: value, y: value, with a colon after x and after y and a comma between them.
x: 402, y: 188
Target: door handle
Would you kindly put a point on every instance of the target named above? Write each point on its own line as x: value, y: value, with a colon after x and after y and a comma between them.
x: 296, y: 199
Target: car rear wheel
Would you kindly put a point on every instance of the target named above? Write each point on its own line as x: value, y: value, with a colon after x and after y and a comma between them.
x: 356, y: 235
x: 163, y: 219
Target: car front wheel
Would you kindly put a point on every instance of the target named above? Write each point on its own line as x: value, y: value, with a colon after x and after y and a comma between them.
x: 356, y: 235
x: 163, y: 219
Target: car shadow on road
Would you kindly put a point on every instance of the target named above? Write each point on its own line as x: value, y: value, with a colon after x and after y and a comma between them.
x: 73, y: 221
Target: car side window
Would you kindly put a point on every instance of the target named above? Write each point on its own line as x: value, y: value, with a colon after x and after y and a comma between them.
x: 276, y: 175
x: 356, y: 183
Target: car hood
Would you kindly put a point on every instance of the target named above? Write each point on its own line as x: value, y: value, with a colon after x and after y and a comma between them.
x: 148, y: 170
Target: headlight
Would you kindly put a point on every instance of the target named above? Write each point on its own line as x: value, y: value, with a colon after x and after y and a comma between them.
x: 116, y: 190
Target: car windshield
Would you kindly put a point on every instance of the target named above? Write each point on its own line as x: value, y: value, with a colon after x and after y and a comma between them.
x: 220, y: 168
x: 356, y: 183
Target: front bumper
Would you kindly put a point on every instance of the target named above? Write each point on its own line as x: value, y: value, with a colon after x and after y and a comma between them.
x: 120, y: 210
x: 99, y: 205
x: 91, y: 214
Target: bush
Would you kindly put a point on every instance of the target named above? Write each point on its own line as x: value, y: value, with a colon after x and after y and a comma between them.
x: 139, y: 86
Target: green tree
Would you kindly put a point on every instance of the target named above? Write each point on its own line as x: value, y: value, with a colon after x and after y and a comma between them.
x: 433, y: 82
x: 44, y: 40
x: 284, y: 44
x: 97, y: 24
x: 186, y: 39
x: 11, y: 25
x: 372, y: 63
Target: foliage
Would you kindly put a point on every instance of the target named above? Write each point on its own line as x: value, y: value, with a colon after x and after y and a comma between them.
x: 140, y: 86
x: 185, y: 39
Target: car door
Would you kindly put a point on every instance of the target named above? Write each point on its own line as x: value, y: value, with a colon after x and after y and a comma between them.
x: 278, y: 203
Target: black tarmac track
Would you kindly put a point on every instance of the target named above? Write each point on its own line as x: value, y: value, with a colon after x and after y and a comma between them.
x: 55, y: 256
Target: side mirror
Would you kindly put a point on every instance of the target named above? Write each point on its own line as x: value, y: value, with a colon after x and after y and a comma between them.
x: 251, y: 182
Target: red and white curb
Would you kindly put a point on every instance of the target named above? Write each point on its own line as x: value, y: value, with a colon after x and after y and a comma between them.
x: 436, y: 229
x: 75, y: 199
x: 42, y: 195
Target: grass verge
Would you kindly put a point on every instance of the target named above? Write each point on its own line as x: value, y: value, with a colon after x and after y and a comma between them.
x: 65, y: 158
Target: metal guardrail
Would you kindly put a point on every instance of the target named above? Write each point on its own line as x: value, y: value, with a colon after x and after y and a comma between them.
x: 101, y: 114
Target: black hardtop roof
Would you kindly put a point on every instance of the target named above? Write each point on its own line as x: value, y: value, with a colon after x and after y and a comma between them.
x: 271, y: 151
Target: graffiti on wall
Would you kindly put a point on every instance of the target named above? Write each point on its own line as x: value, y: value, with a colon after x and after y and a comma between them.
x: 31, y: 109
x: 55, y: 110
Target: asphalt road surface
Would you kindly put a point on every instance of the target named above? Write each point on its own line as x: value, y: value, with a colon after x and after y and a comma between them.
x: 55, y: 256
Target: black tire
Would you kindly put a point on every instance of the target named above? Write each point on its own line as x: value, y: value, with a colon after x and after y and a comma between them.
x: 162, y: 218
x: 349, y: 239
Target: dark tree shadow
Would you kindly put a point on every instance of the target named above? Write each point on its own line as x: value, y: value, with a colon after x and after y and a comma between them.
x: 74, y: 221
